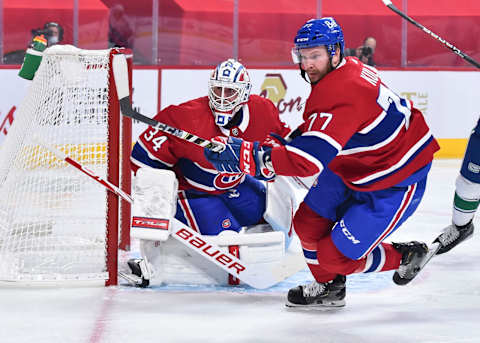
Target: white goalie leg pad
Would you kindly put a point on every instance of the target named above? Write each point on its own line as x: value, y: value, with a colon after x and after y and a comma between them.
x: 155, y: 203
x: 176, y: 264
x: 284, y: 196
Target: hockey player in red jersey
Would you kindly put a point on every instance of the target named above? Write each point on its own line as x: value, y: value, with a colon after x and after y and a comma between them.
x: 210, y: 201
x: 372, y: 150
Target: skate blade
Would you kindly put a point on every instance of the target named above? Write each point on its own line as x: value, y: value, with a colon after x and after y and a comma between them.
x: 432, y: 251
x: 133, y: 280
x: 315, y: 307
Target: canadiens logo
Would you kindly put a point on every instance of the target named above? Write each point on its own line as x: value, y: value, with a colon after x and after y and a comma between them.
x: 226, y: 223
x: 227, y: 180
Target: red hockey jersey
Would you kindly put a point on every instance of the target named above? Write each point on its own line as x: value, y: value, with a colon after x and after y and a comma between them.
x: 160, y: 150
x: 364, y: 132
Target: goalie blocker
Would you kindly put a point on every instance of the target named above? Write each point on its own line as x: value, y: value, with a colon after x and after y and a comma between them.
x: 168, y: 261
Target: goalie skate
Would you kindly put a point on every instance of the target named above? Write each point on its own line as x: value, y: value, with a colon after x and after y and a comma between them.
x: 140, y: 275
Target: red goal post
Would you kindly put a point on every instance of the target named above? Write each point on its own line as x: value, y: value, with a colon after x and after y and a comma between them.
x: 56, y: 224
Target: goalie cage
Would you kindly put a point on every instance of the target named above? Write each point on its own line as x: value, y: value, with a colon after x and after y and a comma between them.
x: 56, y: 224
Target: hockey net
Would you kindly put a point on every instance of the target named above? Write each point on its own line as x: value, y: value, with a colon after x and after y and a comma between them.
x: 57, y: 224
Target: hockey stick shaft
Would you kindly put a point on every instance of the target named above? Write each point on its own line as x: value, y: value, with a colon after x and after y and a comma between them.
x: 61, y: 155
x: 449, y: 45
x: 120, y: 73
x: 127, y: 110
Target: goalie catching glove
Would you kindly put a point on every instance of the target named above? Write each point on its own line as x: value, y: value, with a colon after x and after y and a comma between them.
x: 241, y: 156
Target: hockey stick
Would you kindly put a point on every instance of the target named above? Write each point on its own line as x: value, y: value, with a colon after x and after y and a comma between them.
x: 257, y: 277
x: 449, y: 45
x: 62, y: 156
x: 119, y: 65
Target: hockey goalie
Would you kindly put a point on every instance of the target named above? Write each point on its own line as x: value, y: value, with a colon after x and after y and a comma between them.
x: 174, y: 253
x: 233, y: 209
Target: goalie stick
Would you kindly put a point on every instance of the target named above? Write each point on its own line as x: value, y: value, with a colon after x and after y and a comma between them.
x: 449, y: 45
x: 258, y: 277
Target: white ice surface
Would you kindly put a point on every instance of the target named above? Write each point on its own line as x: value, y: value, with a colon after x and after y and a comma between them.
x: 441, y: 305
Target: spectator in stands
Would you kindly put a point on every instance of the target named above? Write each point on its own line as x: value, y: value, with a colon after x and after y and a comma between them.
x: 120, y: 31
x: 51, y: 33
x: 365, y: 51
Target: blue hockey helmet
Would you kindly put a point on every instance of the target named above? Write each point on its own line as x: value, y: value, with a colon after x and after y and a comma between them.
x: 316, y: 32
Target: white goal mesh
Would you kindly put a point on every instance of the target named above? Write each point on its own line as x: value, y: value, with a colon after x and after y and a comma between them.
x: 54, y: 220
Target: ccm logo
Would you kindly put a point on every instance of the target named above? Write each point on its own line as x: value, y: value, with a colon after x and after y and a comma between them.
x: 206, y: 249
x: 347, y: 233
x: 246, y: 154
x: 150, y: 223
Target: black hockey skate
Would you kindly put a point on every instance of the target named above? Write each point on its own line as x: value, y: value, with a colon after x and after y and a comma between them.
x: 136, y: 266
x: 453, y: 235
x: 318, y: 295
x: 414, y: 257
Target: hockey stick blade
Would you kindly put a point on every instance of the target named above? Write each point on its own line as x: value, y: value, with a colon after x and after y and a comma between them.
x: 449, y: 45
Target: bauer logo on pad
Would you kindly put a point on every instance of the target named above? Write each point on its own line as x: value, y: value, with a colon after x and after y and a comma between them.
x: 150, y: 223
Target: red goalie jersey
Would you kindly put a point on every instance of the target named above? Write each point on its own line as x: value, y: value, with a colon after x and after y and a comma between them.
x: 364, y: 132
x: 258, y: 118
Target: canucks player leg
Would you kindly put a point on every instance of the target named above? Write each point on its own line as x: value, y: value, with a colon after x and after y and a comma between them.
x: 466, y: 197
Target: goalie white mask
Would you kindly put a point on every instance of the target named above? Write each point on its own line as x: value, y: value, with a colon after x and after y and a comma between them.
x: 228, y: 90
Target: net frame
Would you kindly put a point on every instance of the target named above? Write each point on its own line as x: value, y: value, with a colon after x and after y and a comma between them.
x: 117, y: 153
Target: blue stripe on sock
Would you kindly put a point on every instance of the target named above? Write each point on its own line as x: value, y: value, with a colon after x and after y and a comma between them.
x: 312, y: 255
x: 377, y: 256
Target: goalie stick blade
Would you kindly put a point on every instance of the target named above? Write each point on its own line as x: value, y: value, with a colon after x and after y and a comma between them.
x: 291, y: 264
